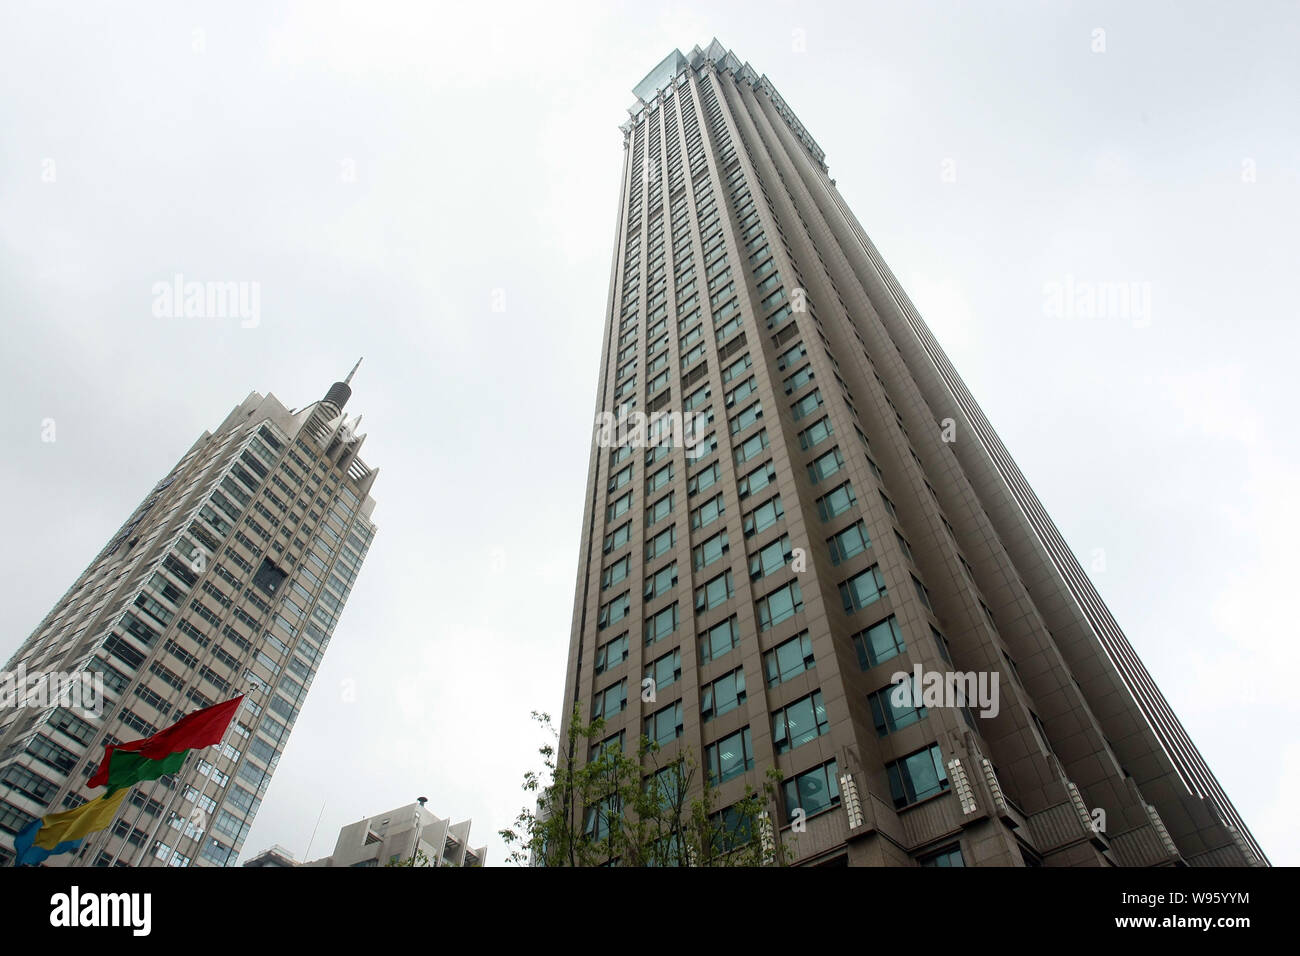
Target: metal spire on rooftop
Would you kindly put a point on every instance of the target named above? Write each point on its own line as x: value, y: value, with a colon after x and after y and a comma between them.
x: 340, y: 392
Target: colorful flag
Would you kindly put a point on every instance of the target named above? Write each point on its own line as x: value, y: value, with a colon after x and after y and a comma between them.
x: 163, y: 753
x: 63, y: 832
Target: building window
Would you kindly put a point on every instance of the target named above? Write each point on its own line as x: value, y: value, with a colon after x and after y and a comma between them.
x: 746, y: 418
x: 782, y: 604
x: 612, y: 653
x: 757, y: 480
x: 798, y: 380
x: 718, y: 640
x: 665, y: 724
x: 791, y: 355
x: 812, y: 791
x: 924, y: 595
x: 12, y: 820
x: 895, y: 707
x: 618, y: 537
x: 941, y: 643
x: 707, y: 513
x: 704, y: 479
x: 789, y: 659
x: 216, y: 851
x: 751, y: 447
x: 598, y: 819
x: 862, y: 589
x: 770, y: 559
x: 729, y: 757
x: 610, y: 701
x: 825, y: 465
x: 619, y: 506
x: 662, y: 581
x: 615, y: 573
x: 907, y: 549
x: 732, y: 830
x: 799, y: 722
x: 815, y: 433
x: 662, y: 624
x: 736, y: 367
x: 917, y: 776
x: 849, y: 543
x: 614, y: 611
x: 612, y: 742
x: 711, y: 550
x: 723, y: 695
x: 889, y: 506
x: 836, y: 502
x: 713, y: 593
x: 764, y: 516
x: 666, y: 670
x: 660, y: 478
x: 661, y: 543
x: 741, y: 391
x: 620, y: 478
x: 879, y: 643
x: 806, y: 405
x: 669, y: 786
x: 948, y: 856
x: 696, y: 398
x: 659, y: 510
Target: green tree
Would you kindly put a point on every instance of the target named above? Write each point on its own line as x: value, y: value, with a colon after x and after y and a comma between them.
x: 651, y: 811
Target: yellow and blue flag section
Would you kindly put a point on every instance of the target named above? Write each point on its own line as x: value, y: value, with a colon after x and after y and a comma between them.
x: 63, y: 832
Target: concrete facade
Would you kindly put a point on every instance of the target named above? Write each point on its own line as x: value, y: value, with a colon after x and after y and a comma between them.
x: 274, y: 857
x: 229, y: 578
x: 853, y: 516
x: 389, y: 839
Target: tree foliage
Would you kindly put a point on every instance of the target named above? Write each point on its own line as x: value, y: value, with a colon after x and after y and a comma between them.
x: 651, y: 811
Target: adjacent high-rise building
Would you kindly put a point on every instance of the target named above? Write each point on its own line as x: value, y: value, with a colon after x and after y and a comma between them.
x: 229, y: 578
x: 835, y: 512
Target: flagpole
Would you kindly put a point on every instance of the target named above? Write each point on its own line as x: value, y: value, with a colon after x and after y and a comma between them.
x: 279, y: 745
x: 306, y: 855
x: 108, y: 830
x: 146, y: 847
x: 203, y: 791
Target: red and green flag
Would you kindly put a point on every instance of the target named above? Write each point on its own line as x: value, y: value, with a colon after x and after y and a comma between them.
x: 139, y: 760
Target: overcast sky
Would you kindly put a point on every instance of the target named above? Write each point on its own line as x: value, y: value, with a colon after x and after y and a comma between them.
x: 386, y: 173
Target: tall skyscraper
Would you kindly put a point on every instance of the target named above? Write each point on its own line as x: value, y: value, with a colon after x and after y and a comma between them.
x: 839, y: 512
x: 229, y: 578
